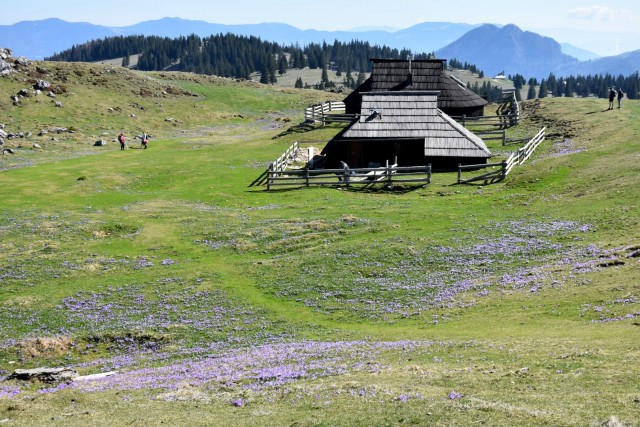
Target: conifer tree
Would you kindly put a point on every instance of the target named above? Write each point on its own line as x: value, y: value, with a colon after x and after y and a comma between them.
x: 531, y: 94
x: 282, y: 64
x: 543, y: 91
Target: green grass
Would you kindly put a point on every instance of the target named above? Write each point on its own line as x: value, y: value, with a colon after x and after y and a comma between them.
x: 512, y: 295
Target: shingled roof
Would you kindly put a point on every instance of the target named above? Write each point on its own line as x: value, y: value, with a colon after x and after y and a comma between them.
x: 418, y: 75
x: 414, y: 115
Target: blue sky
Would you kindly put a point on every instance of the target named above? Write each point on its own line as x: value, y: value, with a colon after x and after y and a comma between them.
x: 606, y: 28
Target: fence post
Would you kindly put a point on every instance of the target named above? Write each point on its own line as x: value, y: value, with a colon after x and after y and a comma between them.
x: 388, y: 172
x: 504, y: 169
x: 459, y: 172
x: 504, y: 138
x: 464, y: 120
x: 429, y: 173
x: 306, y: 175
x: 269, y: 176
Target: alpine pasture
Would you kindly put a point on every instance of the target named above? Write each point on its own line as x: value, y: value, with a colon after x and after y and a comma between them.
x: 216, y: 303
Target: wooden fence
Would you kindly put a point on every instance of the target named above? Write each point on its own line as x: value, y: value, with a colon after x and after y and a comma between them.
x: 498, y: 121
x: 278, y: 165
x: 388, y: 176
x: 330, y: 111
x: 516, y: 158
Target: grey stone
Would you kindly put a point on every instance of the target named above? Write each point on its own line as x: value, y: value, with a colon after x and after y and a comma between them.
x: 45, y: 375
x: 42, y: 85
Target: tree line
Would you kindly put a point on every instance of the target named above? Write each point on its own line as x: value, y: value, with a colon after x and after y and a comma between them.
x: 229, y: 55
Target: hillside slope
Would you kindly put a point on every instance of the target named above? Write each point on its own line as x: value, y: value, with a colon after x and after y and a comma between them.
x: 209, y: 302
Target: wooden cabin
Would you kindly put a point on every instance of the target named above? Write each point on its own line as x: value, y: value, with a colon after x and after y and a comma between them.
x: 454, y: 99
x: 407, y: 128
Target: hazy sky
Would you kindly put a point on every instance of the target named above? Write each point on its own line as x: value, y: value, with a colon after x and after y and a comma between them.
x: 606, y: 28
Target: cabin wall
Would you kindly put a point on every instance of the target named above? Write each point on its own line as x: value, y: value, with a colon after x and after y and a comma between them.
x: 372, y: 153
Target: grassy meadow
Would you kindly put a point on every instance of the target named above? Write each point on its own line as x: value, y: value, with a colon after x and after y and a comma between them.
x: 516, y: 303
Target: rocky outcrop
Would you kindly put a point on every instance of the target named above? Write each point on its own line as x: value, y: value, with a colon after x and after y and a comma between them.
x: 45, y: 375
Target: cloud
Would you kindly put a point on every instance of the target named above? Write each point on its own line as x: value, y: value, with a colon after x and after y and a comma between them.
x: 597, y: 13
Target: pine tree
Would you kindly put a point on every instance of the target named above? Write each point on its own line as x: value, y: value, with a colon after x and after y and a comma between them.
x: 282, y: 64
x: 299, y: 84
x: 325, y: 77
x: 543, y: 92
x: 532, y: 92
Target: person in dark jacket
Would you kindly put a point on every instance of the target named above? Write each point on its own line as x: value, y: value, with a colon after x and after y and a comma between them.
x: 620, y: 96
x: 612, y: 96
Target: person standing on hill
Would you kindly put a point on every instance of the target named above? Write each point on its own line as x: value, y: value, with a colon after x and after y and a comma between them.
x: 620, y: 96
x: 612, y: 96
x: 122, y: 139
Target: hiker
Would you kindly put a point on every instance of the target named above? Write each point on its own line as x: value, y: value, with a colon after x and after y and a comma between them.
x: 612, y: 96
x: 620, y: 96
x: 145, y: 140
x: 123, y: 141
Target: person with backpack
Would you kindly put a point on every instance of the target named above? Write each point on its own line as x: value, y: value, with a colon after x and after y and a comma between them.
x: 620, y: 96
x: 612, y: 96
x: 122, y: 139
x: 145, y: 140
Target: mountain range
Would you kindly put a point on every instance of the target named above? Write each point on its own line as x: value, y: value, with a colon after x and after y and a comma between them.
x: 493, y: 49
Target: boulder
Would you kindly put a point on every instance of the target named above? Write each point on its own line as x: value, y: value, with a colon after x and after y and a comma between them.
x: 5, y: 53
x: 8, y: 151
x: 22, y: 61
x: 100, y: 143
x: 45, y: 375
x: 42, y: 85
x: 5, y: 68
x: 58, y: 104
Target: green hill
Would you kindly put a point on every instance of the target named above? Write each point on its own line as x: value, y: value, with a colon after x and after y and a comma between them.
x: 222, y: 304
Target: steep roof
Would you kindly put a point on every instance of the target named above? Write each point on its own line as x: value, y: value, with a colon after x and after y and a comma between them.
x: 414, y: 115
x: 420, y: 75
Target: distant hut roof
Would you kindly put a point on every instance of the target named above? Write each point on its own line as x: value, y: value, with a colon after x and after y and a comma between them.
x: 418, y: 75
x: 412, y: 115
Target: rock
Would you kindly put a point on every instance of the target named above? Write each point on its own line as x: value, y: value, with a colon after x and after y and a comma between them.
x: 58, y: 104
x: 36, y: 146
x: 95, y: 376
x: 5, y: 53
x: 8, y: 151
x: 5, y: 68
x: 42, y: 85
x: 45, y: 375
x: 51, y: 94
x: 133, y: 116
x: 100, y: 143
x: 22, y: 61
x: 612, y: 422
x: 43, y: 132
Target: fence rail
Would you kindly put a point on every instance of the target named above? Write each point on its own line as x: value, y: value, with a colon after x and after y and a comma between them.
x: 388, y: 175
x: 328, y: 112
x: 278, y: 165
x: 516, y: 158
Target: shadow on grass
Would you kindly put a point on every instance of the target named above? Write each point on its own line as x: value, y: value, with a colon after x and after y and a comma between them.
x: 378, y: 189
